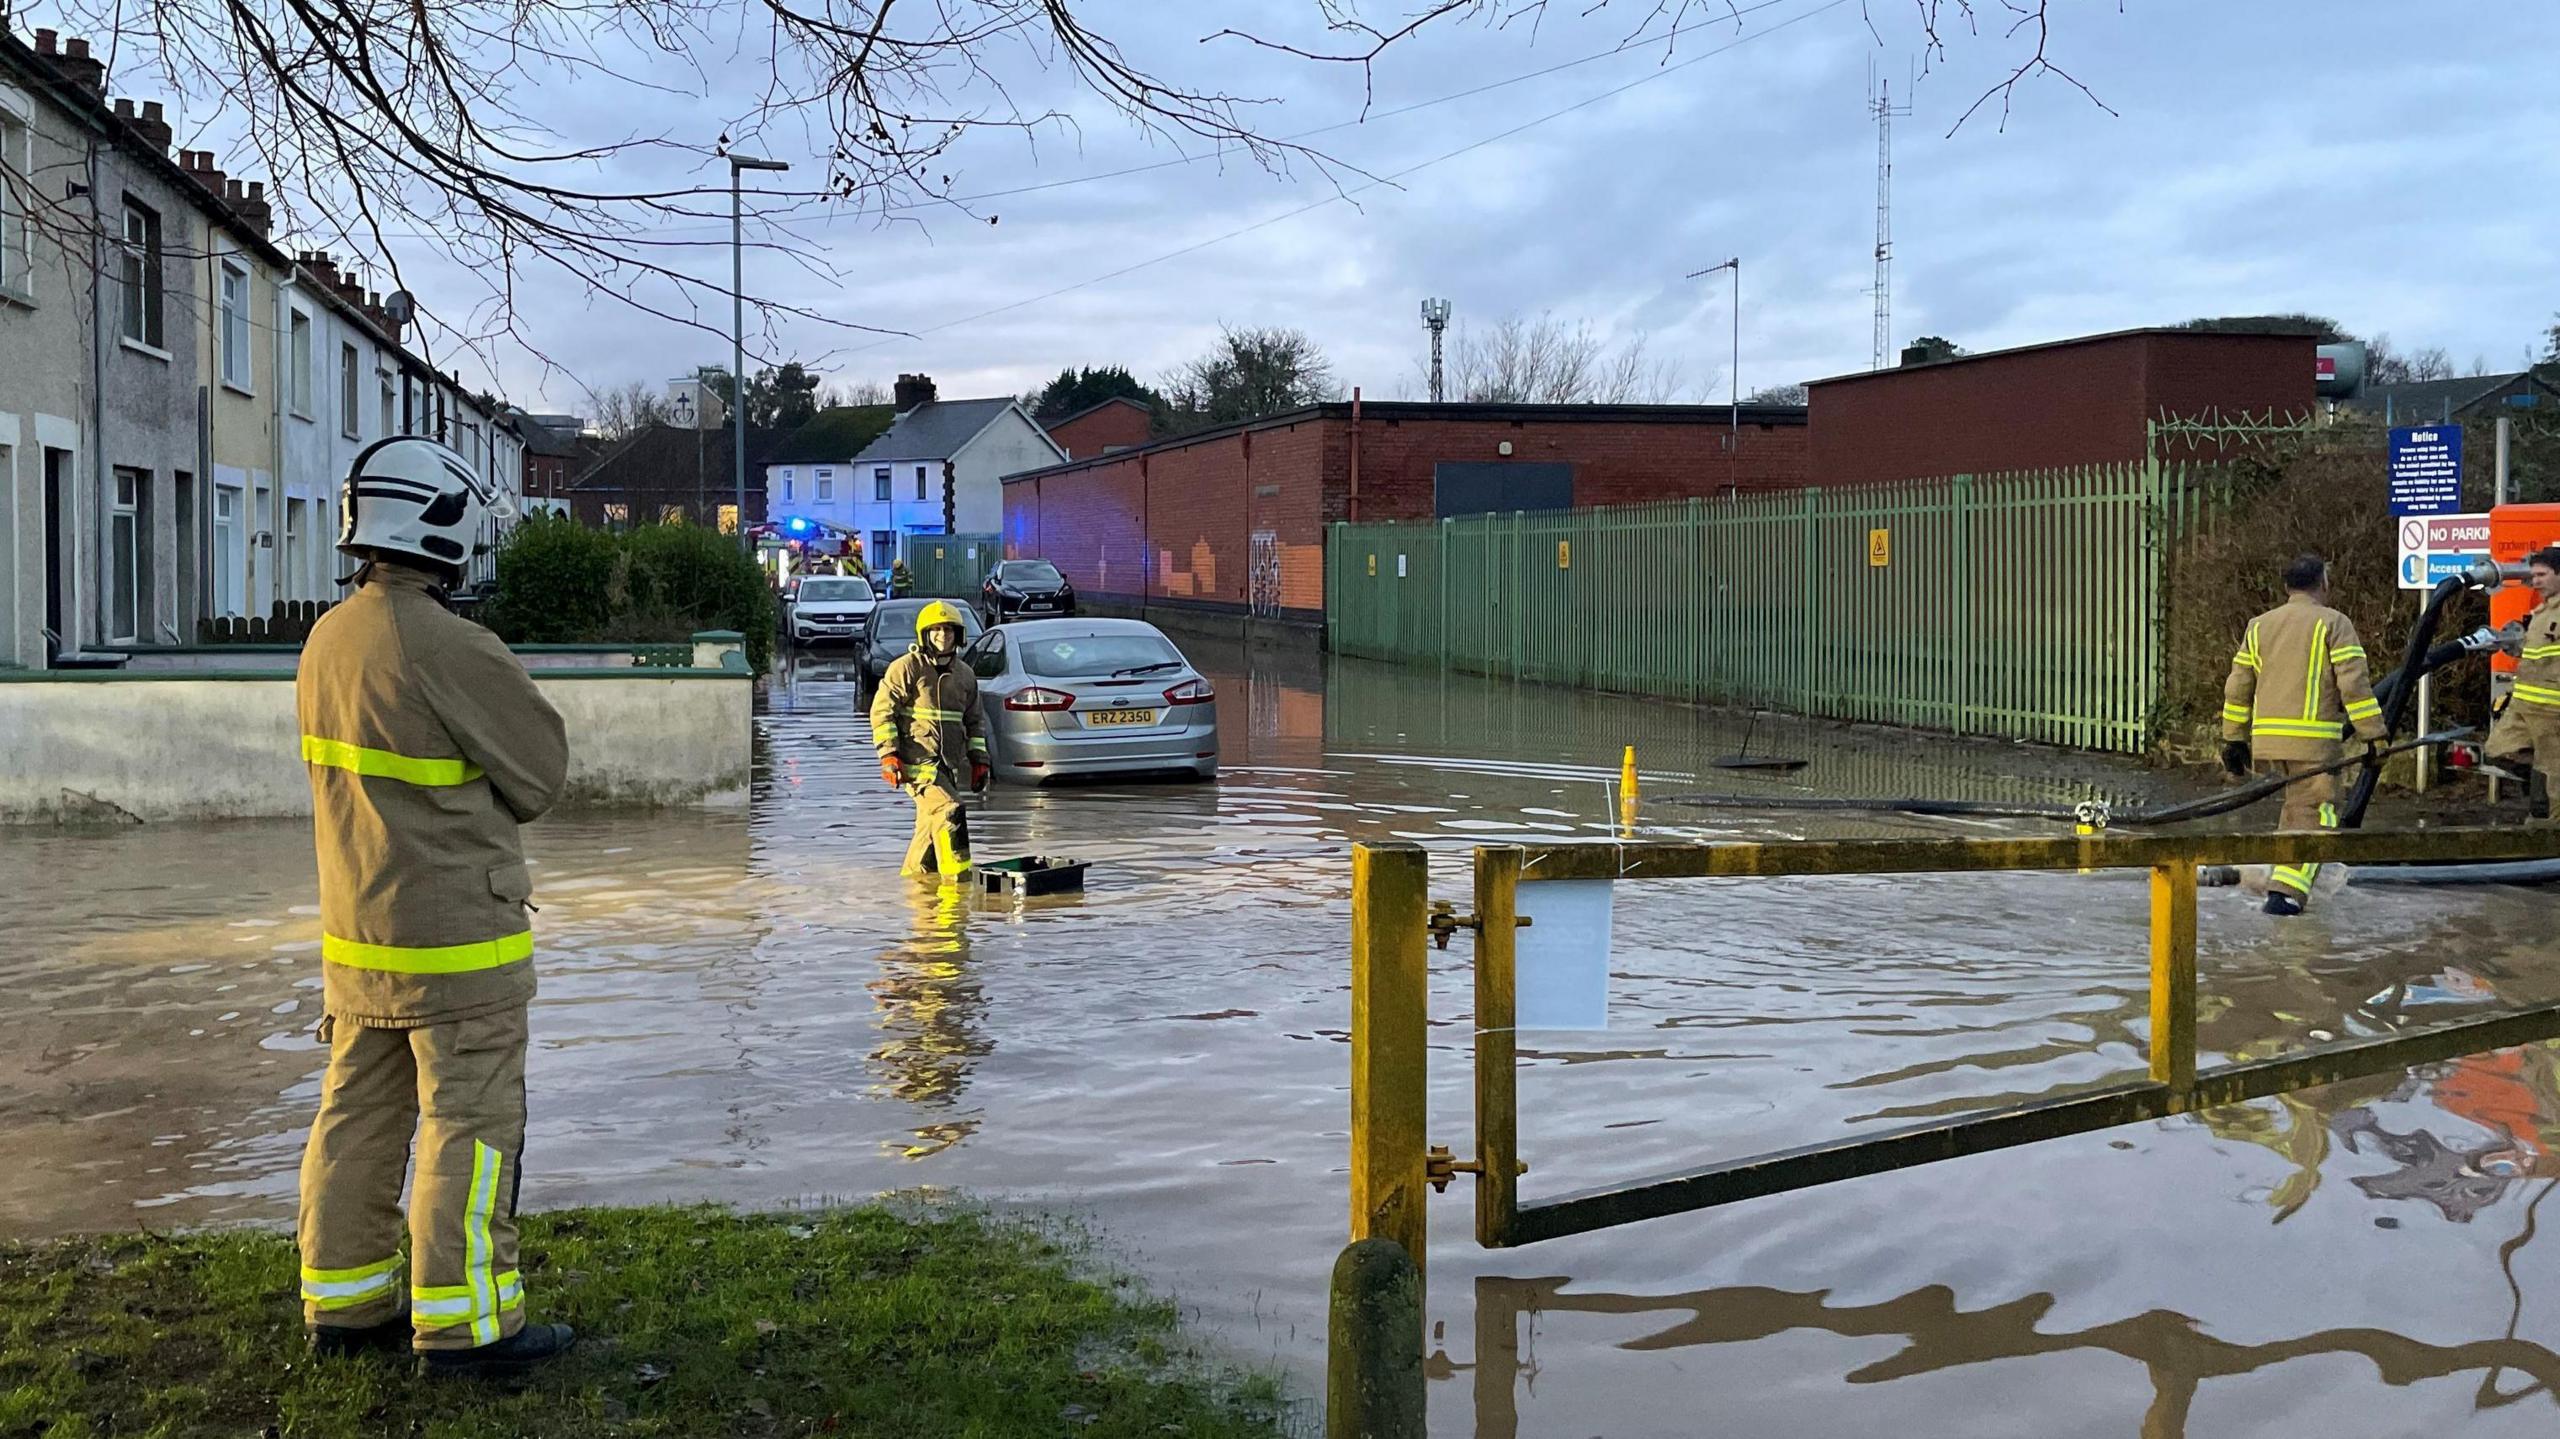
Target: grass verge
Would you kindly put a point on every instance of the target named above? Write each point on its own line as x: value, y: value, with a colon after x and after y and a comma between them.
x: 694, y: 1322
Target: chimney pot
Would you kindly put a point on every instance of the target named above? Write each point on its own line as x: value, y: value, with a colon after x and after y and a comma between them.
x: 231, y: 191
x: 124, y: 110
x: 258, y: 195
x: 151, y: 110
x: 76, y: 48
x: 45, y: 41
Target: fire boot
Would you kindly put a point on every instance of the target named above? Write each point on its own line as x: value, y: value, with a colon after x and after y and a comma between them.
x: 337, y: 1341
x: 533, y: 1345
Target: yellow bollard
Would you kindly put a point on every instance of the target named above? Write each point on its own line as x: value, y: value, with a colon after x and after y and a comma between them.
x: 1627, y: 789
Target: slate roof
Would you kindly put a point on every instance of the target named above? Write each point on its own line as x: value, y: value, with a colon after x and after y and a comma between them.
x: 935, y: 430
x: 2420, y: 401
x: 661, y: 458
x: 833, y: 435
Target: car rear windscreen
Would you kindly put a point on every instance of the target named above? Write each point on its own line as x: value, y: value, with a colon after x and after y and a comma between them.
x: 1062, y: 656
x: 1034, y: 572
x: 840, y: 588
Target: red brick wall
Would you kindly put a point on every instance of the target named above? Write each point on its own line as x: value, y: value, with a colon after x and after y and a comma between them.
x: 1113, y: 426
x: 1199, y: 506
x: 1616, y: 462
x: 2072, y: 404
x: 2192, y: 376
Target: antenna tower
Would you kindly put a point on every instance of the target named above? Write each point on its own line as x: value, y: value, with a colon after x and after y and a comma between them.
x: 1435, y: 317
x: 1880, y: 104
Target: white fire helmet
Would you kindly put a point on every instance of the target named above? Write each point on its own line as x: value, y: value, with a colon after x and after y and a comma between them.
x: 413, y: 497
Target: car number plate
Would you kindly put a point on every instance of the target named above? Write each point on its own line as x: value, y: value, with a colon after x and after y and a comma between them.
x: 1119, y: 717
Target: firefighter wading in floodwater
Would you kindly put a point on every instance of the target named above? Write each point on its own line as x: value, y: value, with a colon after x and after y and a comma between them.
x: 2298, y: 683
x: 930, y: 728
x: 428, y: 744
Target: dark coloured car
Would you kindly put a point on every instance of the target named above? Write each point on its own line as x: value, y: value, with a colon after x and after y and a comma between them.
x: 891, y: 632
x: 1025, y: 589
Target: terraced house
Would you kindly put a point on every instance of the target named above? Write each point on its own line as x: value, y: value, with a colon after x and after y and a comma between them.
x: 178, y: 397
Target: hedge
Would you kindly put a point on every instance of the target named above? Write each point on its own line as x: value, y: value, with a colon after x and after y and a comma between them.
x: 560, y: 582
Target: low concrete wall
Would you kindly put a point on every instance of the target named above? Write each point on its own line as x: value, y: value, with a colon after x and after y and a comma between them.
x: 123, y: 747
x: 202, y: 659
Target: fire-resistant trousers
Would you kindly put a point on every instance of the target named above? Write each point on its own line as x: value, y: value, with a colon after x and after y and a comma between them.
x: 460, y: 1087
x: 941, y: 841
x: 2309, y: 804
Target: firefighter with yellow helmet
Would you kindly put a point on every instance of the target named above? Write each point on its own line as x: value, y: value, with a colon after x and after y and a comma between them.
x: 930, y: 729
x: 428, y: 745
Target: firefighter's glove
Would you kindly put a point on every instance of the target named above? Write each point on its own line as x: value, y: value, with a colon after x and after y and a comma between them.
x: 981, y: 774
x: 2235, y: 758
x: 2481, y: 640
x: 893, y: 771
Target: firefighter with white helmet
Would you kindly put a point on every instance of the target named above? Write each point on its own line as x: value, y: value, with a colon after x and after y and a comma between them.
x: 428, y: 745
x: 930, y: 729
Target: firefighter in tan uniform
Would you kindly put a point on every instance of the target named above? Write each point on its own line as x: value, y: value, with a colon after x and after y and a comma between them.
x: 2298, y: 683
x: 928, y: 725
x: 428, y: 744
x: 2532, y: 718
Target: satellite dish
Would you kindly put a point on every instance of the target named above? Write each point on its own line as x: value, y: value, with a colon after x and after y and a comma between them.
x: 400, y: 307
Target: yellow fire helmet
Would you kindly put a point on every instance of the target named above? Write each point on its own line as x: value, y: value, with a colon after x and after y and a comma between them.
x: 940, y: 612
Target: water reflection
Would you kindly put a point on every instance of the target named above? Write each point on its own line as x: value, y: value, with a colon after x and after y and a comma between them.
x: 1937, y: 1335
x: 931, y: 1015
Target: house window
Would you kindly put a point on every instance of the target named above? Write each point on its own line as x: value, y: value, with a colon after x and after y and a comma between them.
x: 826, y: 487
x: 390, y: 405
x: 786, y: 488
x: 919, y: 482
x: 880, y: 483
x: 235, y: 326
x: 15, y: 162
x: 140, y: 271
x: 298, y: 374
x: 350, y: 393
x: 824, y: 473
x: 884, y: 545
x: 124, y: 543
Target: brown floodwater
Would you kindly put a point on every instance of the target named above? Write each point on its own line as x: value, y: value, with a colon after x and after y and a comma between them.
x: 750, y: 1007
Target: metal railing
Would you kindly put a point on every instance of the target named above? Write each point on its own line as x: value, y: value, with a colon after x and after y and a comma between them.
x: 2027, y: 606
x: 1393, y: 924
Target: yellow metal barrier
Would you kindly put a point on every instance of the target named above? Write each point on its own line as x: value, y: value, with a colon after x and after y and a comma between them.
x: 1391, y: 917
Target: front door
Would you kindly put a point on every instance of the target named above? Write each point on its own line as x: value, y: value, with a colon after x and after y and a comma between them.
x: 57, y: 562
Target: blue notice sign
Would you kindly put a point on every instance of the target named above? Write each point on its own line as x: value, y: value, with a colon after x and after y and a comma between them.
x: 2426, y: 470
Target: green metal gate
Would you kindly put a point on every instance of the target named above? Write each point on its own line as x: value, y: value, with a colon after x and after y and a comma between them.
x: 2026, y: 606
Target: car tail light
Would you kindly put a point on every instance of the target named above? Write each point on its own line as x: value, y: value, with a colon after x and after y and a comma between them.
x: 1190, y: 692
x: 1036, y: 698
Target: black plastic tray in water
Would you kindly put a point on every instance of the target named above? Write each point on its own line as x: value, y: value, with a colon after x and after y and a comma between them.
x: 1033, y: 874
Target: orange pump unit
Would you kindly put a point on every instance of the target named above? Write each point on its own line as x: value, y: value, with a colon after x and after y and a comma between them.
x: 2516, y: 531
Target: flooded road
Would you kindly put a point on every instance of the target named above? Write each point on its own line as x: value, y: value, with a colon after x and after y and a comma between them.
x: 750, y: 1007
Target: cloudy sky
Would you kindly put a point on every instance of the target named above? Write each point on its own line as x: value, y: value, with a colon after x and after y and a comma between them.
x: 2340, y: 159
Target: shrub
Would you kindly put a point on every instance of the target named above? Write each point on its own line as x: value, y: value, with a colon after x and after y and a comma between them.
x: 560, y: 582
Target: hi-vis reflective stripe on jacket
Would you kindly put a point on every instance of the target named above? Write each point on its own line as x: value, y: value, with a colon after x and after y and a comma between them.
x: 428, y: 744
x: 2538, y: 663
x: 928, y: 714
x: 409, y: 769
x: 347, y: 1288
x: 428, y: 959
x: 2298, y: 682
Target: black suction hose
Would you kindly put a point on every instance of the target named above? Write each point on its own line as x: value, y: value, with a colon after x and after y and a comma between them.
x: 2402, y: 694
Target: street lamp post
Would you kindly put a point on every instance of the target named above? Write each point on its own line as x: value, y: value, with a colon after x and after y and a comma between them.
x: 738, y: 333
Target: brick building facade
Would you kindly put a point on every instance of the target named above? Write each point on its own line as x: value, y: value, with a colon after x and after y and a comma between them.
x: 1232, y: 520
x: 2071, y: 402
x: 1119, y: 423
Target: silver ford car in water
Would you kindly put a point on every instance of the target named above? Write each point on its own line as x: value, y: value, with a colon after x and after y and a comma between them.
x: 1092, y: 696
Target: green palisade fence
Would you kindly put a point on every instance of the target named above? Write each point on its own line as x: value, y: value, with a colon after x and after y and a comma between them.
x: 952, y: 566
x: 2026, y: 606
